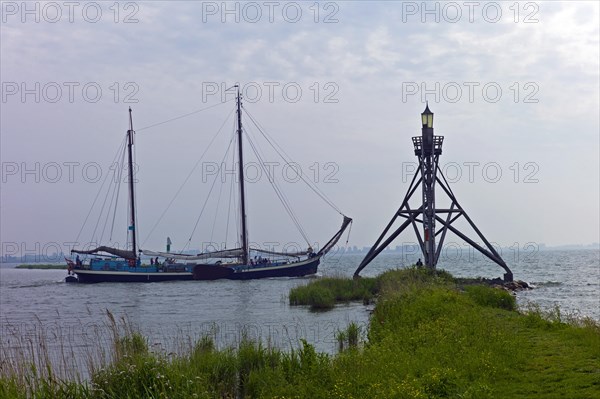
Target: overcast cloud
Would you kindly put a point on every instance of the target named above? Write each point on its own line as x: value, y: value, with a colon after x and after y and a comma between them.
x: 514, y: 88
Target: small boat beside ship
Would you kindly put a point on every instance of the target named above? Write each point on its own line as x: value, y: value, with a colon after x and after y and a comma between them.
x: 108, y: 264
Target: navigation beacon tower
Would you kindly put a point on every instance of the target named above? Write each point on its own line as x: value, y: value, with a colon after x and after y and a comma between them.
x: 428, y: 148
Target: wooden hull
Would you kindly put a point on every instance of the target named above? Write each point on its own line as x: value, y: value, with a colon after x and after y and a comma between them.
x: 296, y: 269
x: 201, y: 272
x: 101, y: 276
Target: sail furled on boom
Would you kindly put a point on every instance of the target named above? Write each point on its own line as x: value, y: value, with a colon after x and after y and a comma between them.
x: 227, y: 253
x: 290, y: 254
x: 123, y: 253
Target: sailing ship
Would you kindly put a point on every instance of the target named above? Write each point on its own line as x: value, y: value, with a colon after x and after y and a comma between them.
x: 108, y: 264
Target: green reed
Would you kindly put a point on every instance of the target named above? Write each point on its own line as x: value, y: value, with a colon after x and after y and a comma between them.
x: 427, y: 338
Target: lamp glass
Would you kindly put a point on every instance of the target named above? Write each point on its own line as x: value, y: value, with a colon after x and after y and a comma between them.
x: 427, y: 118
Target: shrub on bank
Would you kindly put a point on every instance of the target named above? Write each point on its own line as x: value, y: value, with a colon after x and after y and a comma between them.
x: 492, y: 297
x: 323, y: 294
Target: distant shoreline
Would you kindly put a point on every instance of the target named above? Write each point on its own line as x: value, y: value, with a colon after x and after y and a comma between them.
x: 409, y: 251
x: 41, y: 266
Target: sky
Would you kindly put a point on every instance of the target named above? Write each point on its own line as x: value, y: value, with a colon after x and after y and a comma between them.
x: 340, y: 86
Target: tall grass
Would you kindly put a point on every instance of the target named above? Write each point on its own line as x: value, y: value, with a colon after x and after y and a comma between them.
x: 324, y: 293
x: 495, y: 298
x: 48, y: 361
x: 426, y: 339
x: 349, y: 338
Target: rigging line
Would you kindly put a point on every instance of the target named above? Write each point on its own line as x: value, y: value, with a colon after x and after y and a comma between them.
x: 120, y: 175
x: 279, y: 193
x: 236, y: 205
x: 115, y: 188
x: 115, y: 197
x: 187, y: 178
x: 184, y: 115
x: 237, y: 202
x: 231, y: 192
x: 208, y: 196
x: 349, y: 230
x: 283, y: 196
x: 102, y: 212
x: 212, y: 232
x: 258, y: 153
x: 133, y: 175
x: 99, y: 191
x: 347, y: 238
x: 288, y: 160
x: 281, y: 153
x: 112, y: 189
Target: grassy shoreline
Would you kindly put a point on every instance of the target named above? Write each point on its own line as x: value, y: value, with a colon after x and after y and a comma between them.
x: 325, y: 293
x: 427, y: 338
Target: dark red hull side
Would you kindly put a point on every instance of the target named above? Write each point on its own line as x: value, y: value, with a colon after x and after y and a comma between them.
x: 215, y: 272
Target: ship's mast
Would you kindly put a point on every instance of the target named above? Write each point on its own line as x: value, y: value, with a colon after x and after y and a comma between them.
x: 241, y: 173
x: 131, y: 186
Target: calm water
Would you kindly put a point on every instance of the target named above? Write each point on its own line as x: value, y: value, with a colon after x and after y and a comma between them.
x: 567, y: 278
x: 34, y: 299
